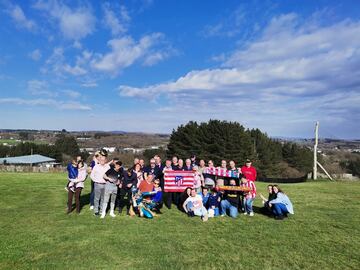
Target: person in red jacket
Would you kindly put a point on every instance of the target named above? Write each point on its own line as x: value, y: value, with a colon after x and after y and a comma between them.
x: 248, y: 171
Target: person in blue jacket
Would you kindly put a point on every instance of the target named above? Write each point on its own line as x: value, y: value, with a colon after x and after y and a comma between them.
x: 281, y: 206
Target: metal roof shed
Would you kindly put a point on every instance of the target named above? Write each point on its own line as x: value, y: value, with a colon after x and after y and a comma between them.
x: 26, y: 160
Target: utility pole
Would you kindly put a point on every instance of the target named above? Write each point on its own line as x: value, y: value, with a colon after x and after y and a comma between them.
x: 315, y: 150
x: 316, y: 163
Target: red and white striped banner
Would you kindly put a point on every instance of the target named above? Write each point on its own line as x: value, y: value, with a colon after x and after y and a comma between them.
x: 178, y: 181
x: 221, y: 172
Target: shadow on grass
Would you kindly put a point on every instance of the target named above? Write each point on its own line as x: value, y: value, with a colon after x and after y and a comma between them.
x: 84, y: 200
x: 263, y: 211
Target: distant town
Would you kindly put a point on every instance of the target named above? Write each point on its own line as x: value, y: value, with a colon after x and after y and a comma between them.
x: 90, y: 141
x: 137, y: 143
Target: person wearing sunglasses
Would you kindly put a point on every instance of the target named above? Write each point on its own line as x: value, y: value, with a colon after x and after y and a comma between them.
x: 157, y: 198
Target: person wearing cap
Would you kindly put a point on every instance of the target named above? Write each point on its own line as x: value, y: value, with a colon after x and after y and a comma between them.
x: 248, y: 171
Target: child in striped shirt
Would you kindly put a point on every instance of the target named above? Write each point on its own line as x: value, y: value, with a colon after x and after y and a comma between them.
x: 249, y: 196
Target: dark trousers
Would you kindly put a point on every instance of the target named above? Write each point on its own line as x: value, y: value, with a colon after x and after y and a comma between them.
x: 92, y: 194
x: 77, y: 199
x: 172, y: 197
x: 124, y: 198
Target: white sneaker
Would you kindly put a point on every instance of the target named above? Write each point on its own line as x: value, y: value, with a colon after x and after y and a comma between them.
x: 102, y: 215
x: 251, y: 214
x: 91, y: 207
x: 112, y: 214
x: 222, y: 215
x: 205, y: 218
x: 245, y: 213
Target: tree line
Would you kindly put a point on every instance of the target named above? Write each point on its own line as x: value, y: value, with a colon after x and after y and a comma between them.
x: 217, y: 140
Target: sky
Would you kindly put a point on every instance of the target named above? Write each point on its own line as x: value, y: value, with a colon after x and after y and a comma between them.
x: 151, y: 65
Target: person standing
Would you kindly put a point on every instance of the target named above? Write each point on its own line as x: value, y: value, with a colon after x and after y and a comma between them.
x: 77, y: 188
x: 151, y: 170
x: 220, y: 180
x: 129, y: 181
x: 188, y: 165
x: 249, y: 197
x: 209, y: 179
x: 248, y: 171
x: 139, y: 173
x: 113, y: 177
x: 96, y: 176
x: 168, y: 195
x: 175, y: 165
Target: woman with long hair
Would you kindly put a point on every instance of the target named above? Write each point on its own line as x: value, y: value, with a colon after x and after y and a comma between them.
x: 281, y: 206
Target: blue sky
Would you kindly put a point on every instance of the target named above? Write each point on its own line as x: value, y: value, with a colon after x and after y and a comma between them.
x: 148, y: 65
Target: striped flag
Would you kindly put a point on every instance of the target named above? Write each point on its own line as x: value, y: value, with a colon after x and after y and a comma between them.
x: 178, y: 181
x: 221, y: 172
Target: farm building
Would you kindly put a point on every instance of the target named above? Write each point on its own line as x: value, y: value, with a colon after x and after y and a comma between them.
x: 28, y: 160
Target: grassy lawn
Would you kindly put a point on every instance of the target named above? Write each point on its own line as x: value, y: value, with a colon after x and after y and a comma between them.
x: 35, y: 232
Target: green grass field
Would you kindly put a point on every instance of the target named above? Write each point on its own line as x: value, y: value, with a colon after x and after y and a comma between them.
x: 35, y: 232
x: 15, y: 142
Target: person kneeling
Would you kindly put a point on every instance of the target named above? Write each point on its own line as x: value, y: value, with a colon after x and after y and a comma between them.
x: 214, y: 203
x: 282, y: 205
x: 197, y: 206
x: 230, y: 202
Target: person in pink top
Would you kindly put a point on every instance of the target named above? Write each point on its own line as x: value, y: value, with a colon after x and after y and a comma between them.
x: 96, y: 175
x: 77, y: 186
x: 248, y: 171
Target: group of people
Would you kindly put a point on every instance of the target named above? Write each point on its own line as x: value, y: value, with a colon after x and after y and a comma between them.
x: 210, y: 195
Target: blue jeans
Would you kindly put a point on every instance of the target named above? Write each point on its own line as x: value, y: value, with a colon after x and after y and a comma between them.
x: 249, y: 205
x: 200, y: 211
x: 279, y: 209
x: 225, y: 205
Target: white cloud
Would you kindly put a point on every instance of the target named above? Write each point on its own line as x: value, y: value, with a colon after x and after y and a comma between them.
x: 74, y: 106
x: 71, y: 93
x: 75, y: 70
x: 74, y: 24
x: 41, y: 88
x: 18, y: 15
x: 118, y: 21
x: 56, y: 64
x: 35, y: 55
x: 293, y: 73
x: 125, y: 51
x: 89, y: 84
x: 46, y: 102
x: 77, y: 44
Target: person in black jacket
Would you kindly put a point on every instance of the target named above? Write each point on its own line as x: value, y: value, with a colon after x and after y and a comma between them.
x: 266, y: 210
x: 129, y: 180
